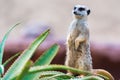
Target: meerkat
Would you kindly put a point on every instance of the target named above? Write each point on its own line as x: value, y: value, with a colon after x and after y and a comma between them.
x: 78, y: 45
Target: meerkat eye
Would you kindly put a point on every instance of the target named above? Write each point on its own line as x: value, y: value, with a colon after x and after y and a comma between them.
x: 74, y: 8
x: 81, y: 9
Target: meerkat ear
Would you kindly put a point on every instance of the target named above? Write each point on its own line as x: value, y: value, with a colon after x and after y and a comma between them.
x: 88, y: 11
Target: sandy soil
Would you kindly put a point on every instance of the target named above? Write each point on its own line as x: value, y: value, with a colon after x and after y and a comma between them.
x: 103, y: 22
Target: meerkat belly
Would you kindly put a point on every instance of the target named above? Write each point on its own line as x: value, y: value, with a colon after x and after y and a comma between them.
x: 72, y: 36
x: 80, y: 58
x: 72, y: 57
x: 84, y: 61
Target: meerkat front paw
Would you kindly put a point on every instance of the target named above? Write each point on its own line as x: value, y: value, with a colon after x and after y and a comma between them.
x: 78, y: 41
x: 76, y: 44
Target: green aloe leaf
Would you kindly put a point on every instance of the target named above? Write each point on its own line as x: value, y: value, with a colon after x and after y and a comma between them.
x: 18, y: 65
x: 46, y: 78
x: 2, y: 44
x: 47, y: 56
x: 41, y: 75
x: 10, y: 59
x: 49, y: 73
x: 25, y: 70
x: 91, y: 78
x: 44, y: 59
x: 36, y: 69
x: 63, y: 76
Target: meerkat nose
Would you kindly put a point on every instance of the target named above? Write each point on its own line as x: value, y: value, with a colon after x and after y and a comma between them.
x: 75, y: 12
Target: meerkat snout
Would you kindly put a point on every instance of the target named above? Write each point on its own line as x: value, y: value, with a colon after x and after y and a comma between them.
x: 80, y: 11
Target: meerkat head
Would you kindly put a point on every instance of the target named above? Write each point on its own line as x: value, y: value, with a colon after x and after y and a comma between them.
x: 80, y: 11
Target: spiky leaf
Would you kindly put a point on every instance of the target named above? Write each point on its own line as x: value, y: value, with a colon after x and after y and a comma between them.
x: 18, y: 65
x: 10, y: 59
x: 44, y: 59
x: 47, y: 56
x: 2, y: 44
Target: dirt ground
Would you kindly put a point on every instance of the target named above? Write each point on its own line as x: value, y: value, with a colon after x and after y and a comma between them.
x: 103, y: 21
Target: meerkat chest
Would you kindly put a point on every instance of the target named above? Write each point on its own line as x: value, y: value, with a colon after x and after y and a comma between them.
x: 76, y: 28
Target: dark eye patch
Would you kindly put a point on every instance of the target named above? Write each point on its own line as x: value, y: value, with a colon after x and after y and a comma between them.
x: 81, y: 9
x: 74, y: 8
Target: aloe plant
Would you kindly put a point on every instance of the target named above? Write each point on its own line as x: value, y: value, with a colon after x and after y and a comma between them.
x: 24, y: 69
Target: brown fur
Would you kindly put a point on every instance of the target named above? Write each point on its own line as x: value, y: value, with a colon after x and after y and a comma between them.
x: 78, y: 45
